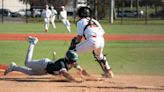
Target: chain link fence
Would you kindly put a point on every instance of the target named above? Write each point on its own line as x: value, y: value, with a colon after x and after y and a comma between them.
x: 16, y: 11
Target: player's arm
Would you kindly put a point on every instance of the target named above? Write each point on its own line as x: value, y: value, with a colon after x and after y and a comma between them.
x: 82, y: 72
x: 69, y: 77
x: 79, y: 38
x: 85, y: 75
x: 75, y: 41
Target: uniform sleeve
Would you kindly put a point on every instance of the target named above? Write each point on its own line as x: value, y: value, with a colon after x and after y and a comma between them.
x: 63, y: 68
x: 80, y: 27
x: 55, y: 12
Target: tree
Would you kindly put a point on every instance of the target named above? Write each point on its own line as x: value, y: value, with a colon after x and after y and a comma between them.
x: 42, y: 3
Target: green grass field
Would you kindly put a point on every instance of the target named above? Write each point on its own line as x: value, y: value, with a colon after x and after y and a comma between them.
x: 112, y: 29
x: 125, y: 57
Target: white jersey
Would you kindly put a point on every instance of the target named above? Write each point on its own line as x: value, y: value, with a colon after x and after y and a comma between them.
x: 54, y: 12
x: 63, y: 14
x: 46, y: 13
x: 92, y: 31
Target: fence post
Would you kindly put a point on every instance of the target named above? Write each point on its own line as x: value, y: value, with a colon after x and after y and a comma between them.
x: 2, y: 11
x: 111, y: 7
x: 122, y: 11
x: 26, y: 13
x: 146, y: 15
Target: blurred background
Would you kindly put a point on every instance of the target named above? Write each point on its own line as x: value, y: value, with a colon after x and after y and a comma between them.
x: 108, y: 11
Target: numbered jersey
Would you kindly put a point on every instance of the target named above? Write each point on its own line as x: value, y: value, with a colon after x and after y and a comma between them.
x: 89, y: 28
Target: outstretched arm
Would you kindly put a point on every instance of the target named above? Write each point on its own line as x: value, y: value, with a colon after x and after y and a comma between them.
x: 85, y: 75
x: 70, y: 77
x: 81, y: 71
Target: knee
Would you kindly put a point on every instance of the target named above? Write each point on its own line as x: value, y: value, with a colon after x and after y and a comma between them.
x: 99, y: 57
x: 26, y: 63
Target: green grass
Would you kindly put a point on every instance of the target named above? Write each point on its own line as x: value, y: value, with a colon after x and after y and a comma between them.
x: 31, y: 28
x: 111, y: 29
x: 134, y: 29
x: 124, y: 57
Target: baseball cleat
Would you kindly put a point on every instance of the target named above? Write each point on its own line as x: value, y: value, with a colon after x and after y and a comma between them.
x: 32, y: 40
x: 108, y: 74
x: 10, y: 68
x: 45, y: 30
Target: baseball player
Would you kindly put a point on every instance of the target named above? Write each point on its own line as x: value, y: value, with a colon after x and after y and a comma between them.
x: 63, y: 18
x: 46, y: 66
x: 54, y: 13
x: 46, y: 15
x: 92, y: 31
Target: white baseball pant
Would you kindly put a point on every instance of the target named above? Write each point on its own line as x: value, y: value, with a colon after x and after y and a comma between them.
x: 95, y: 45
x: 46, y: 23
x: 67, y: 24
x: 53, y: 21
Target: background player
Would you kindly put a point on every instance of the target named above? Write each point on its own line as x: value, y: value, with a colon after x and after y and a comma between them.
x: 47, y: 14
x: 54, y: 13
x: 92, y: 31
x: 63, y: 18
x: 46, y: 66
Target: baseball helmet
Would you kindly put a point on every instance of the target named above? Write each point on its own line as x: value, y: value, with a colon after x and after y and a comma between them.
x: 84, y: 12
x: 71, y: 56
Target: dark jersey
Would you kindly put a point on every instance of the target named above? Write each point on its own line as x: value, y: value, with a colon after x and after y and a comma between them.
x: 57, y: 66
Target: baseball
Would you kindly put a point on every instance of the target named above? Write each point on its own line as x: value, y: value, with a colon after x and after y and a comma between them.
x: 54, y: 53
x: 54, y: 56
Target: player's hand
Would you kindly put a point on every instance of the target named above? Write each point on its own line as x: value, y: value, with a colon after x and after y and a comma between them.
x: 84, y: 73
x: 78, y: 80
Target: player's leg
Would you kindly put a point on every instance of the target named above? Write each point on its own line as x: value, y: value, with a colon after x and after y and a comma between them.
x: 53, y: 22
x: 46, y: 24
x: 32, y: 42
x: 102, y: 60
x: 85, y: 46
x: 34, y: 67
x: 13, y: 67
x: 66, y: 24
x: 37, y: 66
x: 39, y: 69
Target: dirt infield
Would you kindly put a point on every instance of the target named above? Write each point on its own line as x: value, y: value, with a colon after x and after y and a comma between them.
x: 66, y: 37
x: 18, y: 82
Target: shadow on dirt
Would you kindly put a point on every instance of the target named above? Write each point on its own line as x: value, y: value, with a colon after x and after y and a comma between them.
x: 32, y: 79
x: 119, y: 87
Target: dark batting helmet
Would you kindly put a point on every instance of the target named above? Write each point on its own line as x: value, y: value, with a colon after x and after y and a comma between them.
x: 71, y: 56
x: 84, y: 12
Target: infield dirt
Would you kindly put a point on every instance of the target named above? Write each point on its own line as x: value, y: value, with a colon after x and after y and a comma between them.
x: 18, y: 82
